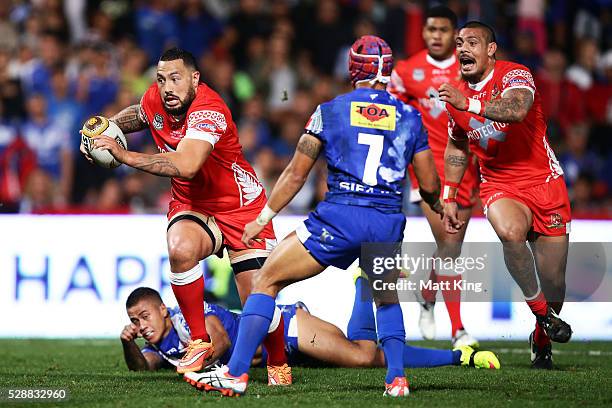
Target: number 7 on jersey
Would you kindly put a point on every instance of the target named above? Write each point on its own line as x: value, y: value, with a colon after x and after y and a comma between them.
x: 375, y: 143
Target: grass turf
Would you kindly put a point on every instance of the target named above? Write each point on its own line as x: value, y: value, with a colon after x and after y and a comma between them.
x: 94, y: 373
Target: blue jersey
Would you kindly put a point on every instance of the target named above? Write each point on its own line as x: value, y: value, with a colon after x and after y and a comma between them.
x: 172, y: 347
x: 369, y: 139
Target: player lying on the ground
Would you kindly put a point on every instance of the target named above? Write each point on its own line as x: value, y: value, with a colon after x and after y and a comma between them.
x: 308, y: 339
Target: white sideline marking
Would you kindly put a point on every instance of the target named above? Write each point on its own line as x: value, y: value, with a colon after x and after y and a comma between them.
x: 596, y: 353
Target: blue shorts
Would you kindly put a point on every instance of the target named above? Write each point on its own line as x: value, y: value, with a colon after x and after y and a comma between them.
x: 333, y: 233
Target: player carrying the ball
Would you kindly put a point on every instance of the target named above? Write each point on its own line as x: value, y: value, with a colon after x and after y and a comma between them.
x: 215, y: 192
x: 496, y: 112
x: 368, y: 138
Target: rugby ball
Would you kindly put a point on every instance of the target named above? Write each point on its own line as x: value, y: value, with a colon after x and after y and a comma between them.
x: 95, y: 127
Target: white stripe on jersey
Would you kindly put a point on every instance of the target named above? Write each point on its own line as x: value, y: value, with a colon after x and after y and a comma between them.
x: 315, y: 124
x: 553, y: 163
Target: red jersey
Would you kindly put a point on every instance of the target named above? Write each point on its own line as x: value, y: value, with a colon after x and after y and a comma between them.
x: 416, y: 81
x: 509, y: 153
x: 226, y: 180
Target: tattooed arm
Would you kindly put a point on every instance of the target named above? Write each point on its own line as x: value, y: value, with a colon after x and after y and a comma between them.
x: 455, y: 163
x: 455, y: 160
x: 130, y: 119
x: 294, y: 176
x: 512, y: 107
x: 185, y: 163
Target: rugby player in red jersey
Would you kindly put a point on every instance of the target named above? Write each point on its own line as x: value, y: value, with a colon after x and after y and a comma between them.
x: 215, y: 192
x: 496, y: 112
x: 416, y: 81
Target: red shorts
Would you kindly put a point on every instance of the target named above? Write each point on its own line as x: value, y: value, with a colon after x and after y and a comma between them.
x: 548, y: 202
x: 231, y: 224
x: 466, y: 195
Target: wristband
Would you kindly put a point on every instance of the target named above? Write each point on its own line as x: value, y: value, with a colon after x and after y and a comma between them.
x: 265, y: 216
x: 449, y: 194
x: 475, y: 106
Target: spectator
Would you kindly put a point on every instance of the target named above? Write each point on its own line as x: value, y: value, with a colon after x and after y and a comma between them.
x: 51, y: 145
x: 581, y: 73
x: 40, y: 194
x: 63, y: 107
x: 198, y: 29
x: 578, y: 159
x: 157, y: 27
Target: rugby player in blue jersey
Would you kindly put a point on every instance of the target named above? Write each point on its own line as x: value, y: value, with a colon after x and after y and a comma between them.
x: 308, y: 339
x: 368, y: 138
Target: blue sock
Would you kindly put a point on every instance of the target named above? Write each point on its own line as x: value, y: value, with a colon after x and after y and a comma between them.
x: 419, y: 357
x: 362, y: 325
x: 392, y: 338
x: 456, y: 357
x: 254, y: 323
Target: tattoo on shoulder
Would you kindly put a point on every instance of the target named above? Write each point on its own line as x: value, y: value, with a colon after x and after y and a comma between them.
x: 129, y: 119
x: 456, y: 161
x: 309, y: 147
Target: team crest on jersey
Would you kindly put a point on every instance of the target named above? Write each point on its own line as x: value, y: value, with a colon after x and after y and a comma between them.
x: 373, y: 115
x: 418, y: 74
x: 495, y: 92
x: 158, y: 121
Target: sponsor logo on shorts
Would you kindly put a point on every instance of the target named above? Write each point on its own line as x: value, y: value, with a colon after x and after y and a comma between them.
x: 373, y: 115
x: 556, y: 221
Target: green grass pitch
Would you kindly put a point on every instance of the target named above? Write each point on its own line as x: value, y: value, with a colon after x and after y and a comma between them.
x: 94, y: 373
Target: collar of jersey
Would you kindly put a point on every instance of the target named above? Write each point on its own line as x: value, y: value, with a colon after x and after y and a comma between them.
x: 441, y: 64
x: 478, y: 87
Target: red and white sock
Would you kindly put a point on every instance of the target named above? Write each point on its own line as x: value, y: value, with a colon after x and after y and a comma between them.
x: 452, y: 299
x: 275, y: 340
x: 188, y: 288
x: 537, y: 303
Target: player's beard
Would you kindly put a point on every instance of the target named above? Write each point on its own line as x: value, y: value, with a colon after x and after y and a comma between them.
x: 184, y: 105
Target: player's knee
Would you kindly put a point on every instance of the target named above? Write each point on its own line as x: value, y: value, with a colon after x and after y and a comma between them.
x: 182, y: 252
x: 265, y: 281
x: 510, y: 232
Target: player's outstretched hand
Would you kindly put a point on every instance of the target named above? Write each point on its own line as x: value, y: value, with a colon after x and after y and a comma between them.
x: 129, y: 333
x: 251, y: 231
x: 104, y: 142
x: 84, y: 151
x: 452, y: 95
x: 451, y: 221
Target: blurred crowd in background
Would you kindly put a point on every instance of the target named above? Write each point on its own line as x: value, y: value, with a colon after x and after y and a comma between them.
x: 272, y: 62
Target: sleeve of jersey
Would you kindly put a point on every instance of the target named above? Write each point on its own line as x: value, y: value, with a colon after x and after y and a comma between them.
x: 519, y: 78
x: 454, y: 131
x: 396, y: 86
x: 314, y: 126
x: 207, y: 125
x: 142, y: 115
x: 148, y: 349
